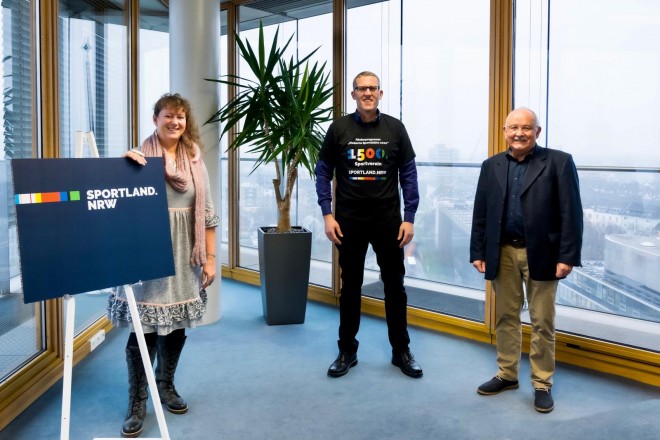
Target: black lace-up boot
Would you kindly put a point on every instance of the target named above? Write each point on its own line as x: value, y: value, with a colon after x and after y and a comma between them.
x: 169, y: 350
x: 137, y: 391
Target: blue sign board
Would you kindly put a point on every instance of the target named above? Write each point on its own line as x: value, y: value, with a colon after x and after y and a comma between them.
x: 89, y: 224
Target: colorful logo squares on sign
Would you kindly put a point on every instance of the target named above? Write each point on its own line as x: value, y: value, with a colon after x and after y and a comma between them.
x: 21, y: 199
x: 49, y: 197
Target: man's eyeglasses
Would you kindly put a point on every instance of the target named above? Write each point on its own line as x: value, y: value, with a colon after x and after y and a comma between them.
x: 362, y: 89
x: 524, y: 128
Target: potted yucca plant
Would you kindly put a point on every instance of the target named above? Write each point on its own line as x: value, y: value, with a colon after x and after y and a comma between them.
x: 279, y: 115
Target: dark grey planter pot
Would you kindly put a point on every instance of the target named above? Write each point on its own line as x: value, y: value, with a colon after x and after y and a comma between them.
x: 284, y: 260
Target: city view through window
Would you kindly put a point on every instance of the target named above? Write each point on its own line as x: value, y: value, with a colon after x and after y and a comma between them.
x: 615, y: 295
x: 578, y: 64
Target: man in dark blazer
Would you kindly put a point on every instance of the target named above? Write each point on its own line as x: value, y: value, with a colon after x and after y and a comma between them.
x: 526, y: 230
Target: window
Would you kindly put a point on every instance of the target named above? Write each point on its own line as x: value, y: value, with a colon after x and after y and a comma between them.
x: 432, y: 58
x: 578, y: 64
x: 154, y: 62
x: 257, y: 197
x: 93, y: 97
x: 21, y: 334
x: 312, y: 28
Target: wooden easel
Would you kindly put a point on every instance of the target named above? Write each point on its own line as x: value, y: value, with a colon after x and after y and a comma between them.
x: 70, y: 307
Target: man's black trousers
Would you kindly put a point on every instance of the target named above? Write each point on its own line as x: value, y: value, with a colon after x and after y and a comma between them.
x: 389, y: 256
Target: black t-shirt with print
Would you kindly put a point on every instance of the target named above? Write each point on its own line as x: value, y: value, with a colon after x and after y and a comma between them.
x: 367, y: 158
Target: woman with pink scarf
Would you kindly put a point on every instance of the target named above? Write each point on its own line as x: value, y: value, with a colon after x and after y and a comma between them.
x: 169, y: 305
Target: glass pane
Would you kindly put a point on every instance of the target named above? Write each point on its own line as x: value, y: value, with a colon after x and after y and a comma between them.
x: 619, y: 283
x: 602, y: 65
x: 445, y: 103
x: 93, y: 98
x: 432, y: 57
x: 257, y: 196
x: 258, y: 206
x: 596, y: 49
x: 21, y: 335
x: 373, y: 33
x: 315, y: 32
x: 154, y: 62
x: 373, y: 37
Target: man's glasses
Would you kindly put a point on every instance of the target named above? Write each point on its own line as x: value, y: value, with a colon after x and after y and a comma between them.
x: 363, y: 89
x: 515, y: 128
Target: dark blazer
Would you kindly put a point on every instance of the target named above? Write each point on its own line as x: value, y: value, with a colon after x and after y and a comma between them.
x: 552, y: 212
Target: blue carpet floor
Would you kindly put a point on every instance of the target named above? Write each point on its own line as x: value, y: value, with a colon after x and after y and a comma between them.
x: 245, y: 380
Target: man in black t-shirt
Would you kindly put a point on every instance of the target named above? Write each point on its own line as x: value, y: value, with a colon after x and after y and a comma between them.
x: 370, y: 154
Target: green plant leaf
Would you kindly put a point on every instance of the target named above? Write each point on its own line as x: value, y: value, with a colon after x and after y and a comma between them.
x: 279, y: 114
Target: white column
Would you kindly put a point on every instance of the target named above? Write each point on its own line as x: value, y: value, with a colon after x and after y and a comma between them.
x: 195, y: 55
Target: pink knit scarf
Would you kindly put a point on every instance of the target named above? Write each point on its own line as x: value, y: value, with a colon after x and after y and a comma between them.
x: 187, y: 168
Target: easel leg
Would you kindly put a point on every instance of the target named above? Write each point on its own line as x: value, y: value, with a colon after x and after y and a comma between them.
x: 70, y: 308
x: 151, y: 379
x: 148, y: 368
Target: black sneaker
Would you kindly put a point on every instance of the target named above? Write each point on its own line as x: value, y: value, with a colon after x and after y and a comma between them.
x: 543, y: 400
x: 496, y: 385
x: 342, y: 364
x: 406, y: 362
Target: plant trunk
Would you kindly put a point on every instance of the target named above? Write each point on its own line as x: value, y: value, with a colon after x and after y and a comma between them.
x: 284, y: 215
x: 284, y: 202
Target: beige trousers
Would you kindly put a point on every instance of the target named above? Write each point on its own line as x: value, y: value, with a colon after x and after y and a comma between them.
x: 512, y: 273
